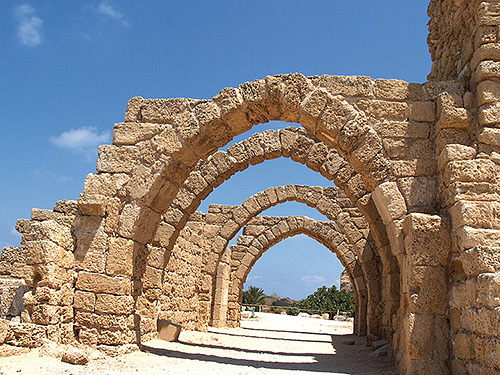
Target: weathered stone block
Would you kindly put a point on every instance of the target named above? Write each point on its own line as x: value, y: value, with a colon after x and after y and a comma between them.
x: 427, y: 239
x: 470, y: 170
x: 121, y: 253
x: 489, y: 114
x: 116, y: 159
x: 389, y: 201
x: 480, y: 259
x: 422, y: 112
x: 110, y: 304
x: 488, y: 290
x: 168, y: 331
x: 98, y: 283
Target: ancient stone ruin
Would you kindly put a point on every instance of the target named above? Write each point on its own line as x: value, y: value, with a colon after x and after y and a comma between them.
x: 414, y: 215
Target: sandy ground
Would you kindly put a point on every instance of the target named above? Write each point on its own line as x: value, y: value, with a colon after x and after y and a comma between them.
x: 270, y: 344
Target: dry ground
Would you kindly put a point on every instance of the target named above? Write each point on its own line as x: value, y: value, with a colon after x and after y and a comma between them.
x: 272, y: 344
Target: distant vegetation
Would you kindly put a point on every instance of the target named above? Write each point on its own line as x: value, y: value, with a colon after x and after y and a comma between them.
x: 254, y: 296
x: 325, y: 300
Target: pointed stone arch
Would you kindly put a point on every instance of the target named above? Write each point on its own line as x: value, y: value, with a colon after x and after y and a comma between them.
x: 263, y: 232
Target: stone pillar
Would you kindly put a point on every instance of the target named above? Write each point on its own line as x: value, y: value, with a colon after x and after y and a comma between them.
x: 219, y: 312
x: 425, y: 331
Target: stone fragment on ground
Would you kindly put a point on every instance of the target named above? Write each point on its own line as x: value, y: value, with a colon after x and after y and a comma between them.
x: 75, y: 356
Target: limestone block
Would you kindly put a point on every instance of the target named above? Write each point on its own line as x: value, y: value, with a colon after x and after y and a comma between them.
x: 350, y: 86
x: 168, y: 331
x: 470, y: 170
x: 75, y: 356
x: 487, y: 70
x: 91, y: 244
x: 42, y: 215
x: 50, y: 275
x: 152, y: 278
x: 383, y: 109
x: 413, y: 168
x: 463, y: 294
x: 463, y: 347
x: 419, y: 335
x: 488, y: 51
x: 45, y: 314
x: 312, y: 106
x: 116, y: 337
x: 389, y: 201
x: 470, y: 237
x: 428, y: 289
x: 476, y: 214
x: 132, y: 133
x: 485, y: 34
x: 137, y: 223
x: 488, y: 290
x: 116, y: 159
x: 158, y: 256
x: 104, y: 183
x: 487, y: 92
x: 369, y: 148
x: 394, y: 89
x: 481, y: 321
x: 419, y: 191
x: 41, y: 252
x: 489, y: 114
x: 335, y: 115
x: 455, y: 152
x: 99, y: 283
x: 51, y: 230
x: 481, y: 259
x: 121, y: 253
x: 422, y: 111
x: 229, y: 101
x: 453, y: 117
x: 26, y: 334
x: 427, y: 240
x: 490, y: 136
x: 110, y: 304
x: 84, y: 301
x: 11, y: 258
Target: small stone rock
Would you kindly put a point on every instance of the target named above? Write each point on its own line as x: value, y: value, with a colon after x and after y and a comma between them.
x: 348, y: 342
x: 75, y: 356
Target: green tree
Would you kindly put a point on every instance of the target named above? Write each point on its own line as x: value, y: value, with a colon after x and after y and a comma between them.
x: 254, y: 296
x: 327, y: 299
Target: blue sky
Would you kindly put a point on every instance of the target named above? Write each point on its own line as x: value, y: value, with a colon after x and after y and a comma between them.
x: 68, y: 69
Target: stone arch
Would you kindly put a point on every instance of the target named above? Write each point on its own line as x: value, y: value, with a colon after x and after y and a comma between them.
x: 333, y: 203
x: 263, y: 232
x: 162, y: 142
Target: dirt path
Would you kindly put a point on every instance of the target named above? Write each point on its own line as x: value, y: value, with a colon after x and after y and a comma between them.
x: 273, y: 344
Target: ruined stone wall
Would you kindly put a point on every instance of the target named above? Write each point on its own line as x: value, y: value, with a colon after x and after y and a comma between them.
x: 345, y: 282
x: 452, y: 27
x: 409, y: 157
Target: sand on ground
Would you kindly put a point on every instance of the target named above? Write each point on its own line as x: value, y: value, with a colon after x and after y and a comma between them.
x: 269, y: 344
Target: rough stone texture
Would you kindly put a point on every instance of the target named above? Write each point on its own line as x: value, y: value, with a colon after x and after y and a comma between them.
x: 406, y: 156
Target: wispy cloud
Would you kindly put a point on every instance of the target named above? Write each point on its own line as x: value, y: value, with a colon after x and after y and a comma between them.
x: 29, y: 30
x: 15, y: 233
x: 107, y: 10
x: 84, y: 140
x: 313, y: 279
x: 47, y: 174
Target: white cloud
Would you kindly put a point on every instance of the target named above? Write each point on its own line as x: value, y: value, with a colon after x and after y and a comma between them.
x: 15, y: 233
x: 29, y: 30
x: 107, y: 10
x: 84, y: 140
x: 312, y: 279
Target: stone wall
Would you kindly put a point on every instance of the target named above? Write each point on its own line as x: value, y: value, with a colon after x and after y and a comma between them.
x: 409, y: 157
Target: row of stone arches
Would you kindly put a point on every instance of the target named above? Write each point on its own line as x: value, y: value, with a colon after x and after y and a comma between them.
x: 134, y: 236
